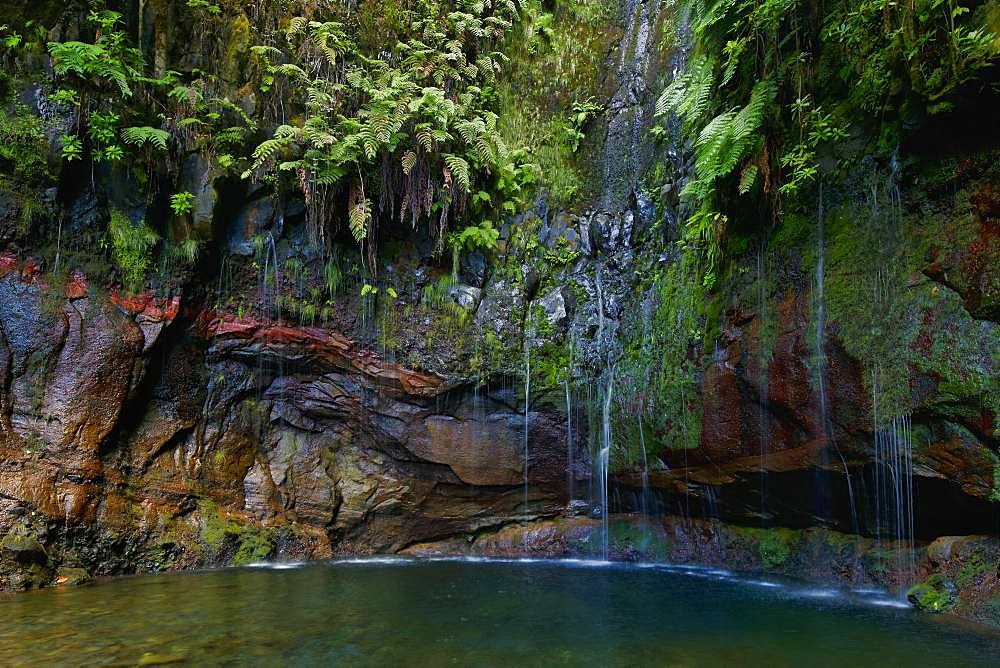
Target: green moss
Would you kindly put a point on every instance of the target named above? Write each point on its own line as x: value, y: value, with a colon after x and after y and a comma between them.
x: 774, y: 545
x: 660, y: 369
x: 995, y: 492
x: 132, y: 247
x: 556, y: 62
x: 972, y: 570
x: 935, y: 594
x: 713, y: 317
x: 775, y: 549
x: 219, y: 531
x: 629, y: 536
x: 991, y: 609
x: 23, y: 145
x: 795, y: 231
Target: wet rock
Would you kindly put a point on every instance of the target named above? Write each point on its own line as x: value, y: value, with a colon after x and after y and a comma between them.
x: 935, y: 594
x: 577, y: 508
x: 71, y: 577
x: 84, y: 213
x: 555, y: 307
x: 532, y: 279
x: 22, y: 546
x: 473, y: 268
x: 940, y: 551
x: 480, y: 453
x: 154, y: 659
x: 646, y: 210
x: 255, y: 218
x: 465, y: 296
x: 599, y: 233
x: 198, y: 177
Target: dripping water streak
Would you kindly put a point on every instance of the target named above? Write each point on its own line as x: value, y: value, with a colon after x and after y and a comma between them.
x: 569, y: 441
x: 527, y: 424
x: 604, y: 460
x: 821, y: 358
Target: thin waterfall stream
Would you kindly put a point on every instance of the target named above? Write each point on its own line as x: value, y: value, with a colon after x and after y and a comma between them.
x: 527, y: 427
x: 492, y: 333
x: 604, y: 460
x: 825, y: 420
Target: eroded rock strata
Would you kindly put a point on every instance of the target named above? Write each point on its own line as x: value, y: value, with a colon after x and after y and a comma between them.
x: 235, y: 407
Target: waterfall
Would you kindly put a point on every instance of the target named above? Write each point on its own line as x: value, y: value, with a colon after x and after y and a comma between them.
x: 603, y: 461
x: 600, y: 305
x: 629, y: 110
x: 569, y: 440
x: 763, y: 424
x: 527, y: 424
x: 644, y: 493
x: 893, y: 473
x: 270, y: 309
x: 825, y: 421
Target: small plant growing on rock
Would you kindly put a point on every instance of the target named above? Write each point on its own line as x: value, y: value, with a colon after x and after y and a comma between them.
x: 182, y: 203
x: 131, y: 248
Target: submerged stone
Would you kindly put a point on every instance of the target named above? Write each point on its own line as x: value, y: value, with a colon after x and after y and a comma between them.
x: 151, y: 659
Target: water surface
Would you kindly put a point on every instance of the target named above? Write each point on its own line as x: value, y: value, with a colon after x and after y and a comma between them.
x: 430, y: 613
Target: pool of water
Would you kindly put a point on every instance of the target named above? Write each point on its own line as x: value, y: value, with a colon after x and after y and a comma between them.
x: 487, y: 613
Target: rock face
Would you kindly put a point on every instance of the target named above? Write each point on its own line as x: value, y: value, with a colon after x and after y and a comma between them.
x: 202, y: 440
x: 143, y: 432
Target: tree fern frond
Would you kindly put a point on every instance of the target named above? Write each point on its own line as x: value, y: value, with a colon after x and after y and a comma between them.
x: 359, y: 214
x: 459, y: 169
x: 408, y: 161
x: 146, y: 136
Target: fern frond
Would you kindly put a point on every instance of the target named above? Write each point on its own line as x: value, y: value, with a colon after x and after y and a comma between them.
x: 359, y: 214
x: 459, y: 169
x: 146, y: 136
x: 408, y: 161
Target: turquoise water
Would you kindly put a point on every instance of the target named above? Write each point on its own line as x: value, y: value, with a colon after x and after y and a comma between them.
x: 420, y: 613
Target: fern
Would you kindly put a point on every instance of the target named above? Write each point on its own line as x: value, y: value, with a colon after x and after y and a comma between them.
x: 408, y: 161
x: 421, y: 108
x: 728, y: 139
x: 146, y: 136
x: 689, y: 94
x: 459, y: 169
x: 131, y: 247
x: 359, y: 214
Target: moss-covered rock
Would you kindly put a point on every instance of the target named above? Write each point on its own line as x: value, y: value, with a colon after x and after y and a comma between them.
x: 21, y: 546
x: 935, y: 594
x: 231, y: 540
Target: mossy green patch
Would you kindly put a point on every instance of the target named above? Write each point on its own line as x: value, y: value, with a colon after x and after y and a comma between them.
x: 659, y: 368
x: 975, y: 568
x: 935, y: 594
x: 775, y: 545
x: 219, y: 531
x: 632, y: 536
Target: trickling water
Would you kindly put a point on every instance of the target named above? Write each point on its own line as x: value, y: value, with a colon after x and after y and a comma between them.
x: 644, y: 495
x: 762, y: 398
x: 569, y: 441
x: 629, y: 109
x: 830, y: 437
x: 270, y: 303
x: 712, y: 501
x: 599, y: 291
x: 894, y: 517
x: 604, y: 460
x: 527, y: 424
